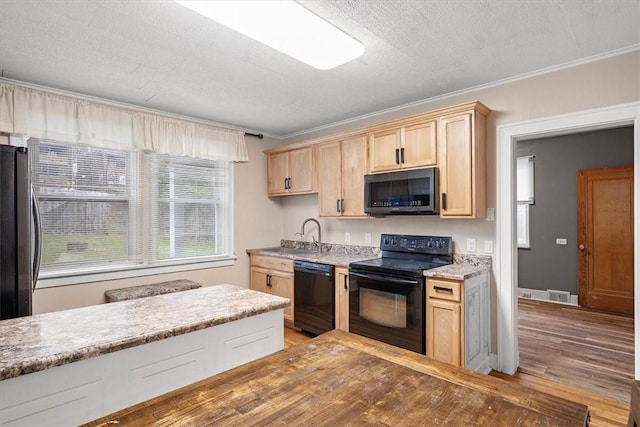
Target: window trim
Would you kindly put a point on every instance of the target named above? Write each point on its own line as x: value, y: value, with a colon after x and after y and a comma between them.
x: 67, y: 278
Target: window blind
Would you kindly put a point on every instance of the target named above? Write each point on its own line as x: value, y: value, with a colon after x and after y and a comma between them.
x: 87, y: 206
x: 190, y: 205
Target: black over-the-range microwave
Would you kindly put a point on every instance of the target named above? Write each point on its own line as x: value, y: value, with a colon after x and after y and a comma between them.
x: 412, y: 192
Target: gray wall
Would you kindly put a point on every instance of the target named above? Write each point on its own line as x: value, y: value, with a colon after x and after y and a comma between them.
x: 546, y: 265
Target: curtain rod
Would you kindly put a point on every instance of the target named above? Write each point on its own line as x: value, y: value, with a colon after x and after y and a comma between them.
x: 257, y: 135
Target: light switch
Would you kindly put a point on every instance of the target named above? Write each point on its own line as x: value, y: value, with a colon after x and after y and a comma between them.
x: 471, y: 245
x: 560, y: 241
x: 488, y: 246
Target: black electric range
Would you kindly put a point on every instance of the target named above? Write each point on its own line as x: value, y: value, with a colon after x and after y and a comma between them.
x: 387, y: 295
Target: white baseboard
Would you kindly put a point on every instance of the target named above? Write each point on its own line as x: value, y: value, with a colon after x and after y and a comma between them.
x: 539, y: 295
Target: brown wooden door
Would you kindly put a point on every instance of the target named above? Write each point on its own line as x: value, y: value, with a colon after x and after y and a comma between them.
x: 605, y: 239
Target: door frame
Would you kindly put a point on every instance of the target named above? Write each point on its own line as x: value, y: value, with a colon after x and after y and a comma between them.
x: 506, y: 261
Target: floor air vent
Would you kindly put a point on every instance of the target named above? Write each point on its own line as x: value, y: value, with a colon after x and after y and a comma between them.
x: 560, y: 296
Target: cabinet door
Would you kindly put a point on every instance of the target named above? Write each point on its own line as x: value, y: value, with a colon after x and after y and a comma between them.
x: 383, y: 148
x: 354, y: 167
x: 259, y: 280
x: 277, y: 173
x: 301, y: 170
x: 444, y: 332
x: 329, y: 179
x: 282, y: 286
x: 456, y: 174
x: 419, y: 145
x: 342, y: 299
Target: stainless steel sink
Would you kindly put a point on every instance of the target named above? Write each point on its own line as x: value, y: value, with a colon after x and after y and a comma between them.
x: 291, y: 251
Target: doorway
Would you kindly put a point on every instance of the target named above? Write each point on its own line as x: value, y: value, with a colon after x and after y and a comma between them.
x: 605, y: 239
x: 506, y: 260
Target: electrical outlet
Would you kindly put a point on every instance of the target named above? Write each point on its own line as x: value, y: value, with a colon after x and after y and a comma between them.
x: 471, y: 245
x: 488, y: 246
x: 367, y: 237
x: 491, y: 214
x: 347, y: 237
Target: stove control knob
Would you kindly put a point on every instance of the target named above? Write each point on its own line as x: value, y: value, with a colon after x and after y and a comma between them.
x: 440, y: 244
x: 431, y: 244
x: 385, y: 241
x: 394, y: 242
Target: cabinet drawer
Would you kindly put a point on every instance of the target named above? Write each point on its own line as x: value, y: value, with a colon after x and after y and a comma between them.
x: 443, y: 289
x: 272, y: 263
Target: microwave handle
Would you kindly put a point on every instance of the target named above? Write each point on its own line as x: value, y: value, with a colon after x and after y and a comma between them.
x: 444, y: 201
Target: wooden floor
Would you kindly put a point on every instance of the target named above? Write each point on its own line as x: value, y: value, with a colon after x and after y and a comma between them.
x: 605, y: 411
x: 578, y: 347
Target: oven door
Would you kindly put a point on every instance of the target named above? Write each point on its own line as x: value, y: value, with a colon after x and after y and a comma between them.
x: 388, y: 309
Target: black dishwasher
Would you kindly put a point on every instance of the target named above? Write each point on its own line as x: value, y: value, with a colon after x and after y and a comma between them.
x: 314, y: 297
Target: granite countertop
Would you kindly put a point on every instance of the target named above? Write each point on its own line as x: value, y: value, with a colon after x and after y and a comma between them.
x: 456, y: 271
x: 465, y: 266
x: 338, y: 255
x: 123, y: 294
x: 35, y: 343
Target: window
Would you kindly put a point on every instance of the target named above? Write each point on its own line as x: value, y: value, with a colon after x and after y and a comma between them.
x: 189, y: 208
x: 525, y: 197
x: 105, y: 210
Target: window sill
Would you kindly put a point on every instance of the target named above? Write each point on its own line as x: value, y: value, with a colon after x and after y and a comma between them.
x: 127, y: 273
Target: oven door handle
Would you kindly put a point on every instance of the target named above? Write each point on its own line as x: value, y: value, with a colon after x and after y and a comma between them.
x: 386, y: 279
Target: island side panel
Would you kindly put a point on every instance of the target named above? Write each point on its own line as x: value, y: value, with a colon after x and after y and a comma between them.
x: 79, y: 392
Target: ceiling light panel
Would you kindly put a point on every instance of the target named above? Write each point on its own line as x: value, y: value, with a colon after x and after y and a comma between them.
x: 285, y: 26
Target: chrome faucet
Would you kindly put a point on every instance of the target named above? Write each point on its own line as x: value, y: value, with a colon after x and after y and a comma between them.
x: 319, y: 242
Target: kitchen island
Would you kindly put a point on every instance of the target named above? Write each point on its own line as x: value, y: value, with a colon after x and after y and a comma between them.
x: 343, y: 379
x: 72, y: 366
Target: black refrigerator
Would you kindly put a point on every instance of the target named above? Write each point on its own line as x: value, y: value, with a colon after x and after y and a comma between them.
x: 19, y: 234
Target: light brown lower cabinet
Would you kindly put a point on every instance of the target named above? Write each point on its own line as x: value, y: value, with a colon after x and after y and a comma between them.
x: 445, y: 334
x: 342, y: 298
x: 458, y: 321
x: 273, y: 275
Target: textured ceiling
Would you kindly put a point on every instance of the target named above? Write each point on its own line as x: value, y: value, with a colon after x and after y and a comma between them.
x: 160, y: 55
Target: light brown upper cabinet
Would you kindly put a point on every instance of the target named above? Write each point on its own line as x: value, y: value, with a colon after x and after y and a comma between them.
x: 291, y: 172
x: 404, y: 147
x: 341, y: 169
x: 462, y: 163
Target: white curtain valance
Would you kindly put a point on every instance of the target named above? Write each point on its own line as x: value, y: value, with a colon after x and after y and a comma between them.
x: 169, y: 136
x: 40, y: 114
